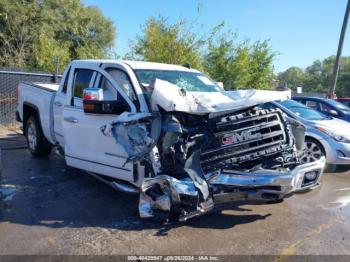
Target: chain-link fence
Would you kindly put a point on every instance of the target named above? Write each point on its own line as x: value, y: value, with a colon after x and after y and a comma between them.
x: 9, y: 80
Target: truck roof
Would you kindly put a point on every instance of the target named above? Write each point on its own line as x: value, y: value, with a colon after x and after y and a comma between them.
x: 139, y: 65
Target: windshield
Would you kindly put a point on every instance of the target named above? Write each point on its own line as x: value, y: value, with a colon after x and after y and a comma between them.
x: 338, y: 105
x: 301, y: 110
x: 189, y: 81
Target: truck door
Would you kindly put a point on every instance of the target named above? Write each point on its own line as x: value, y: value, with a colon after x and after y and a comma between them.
x: 86, y: 147
x: 59, y: 101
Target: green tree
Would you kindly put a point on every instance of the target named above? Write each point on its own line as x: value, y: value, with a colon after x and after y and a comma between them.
x: 164, y: 42
x: 236, y: 64
x: 317, y: 77
x: 19, y: 24
x: 343, y: 83
x: 36, y: 32
x: 228, y: 63
x: 260, y: 65
x: 240, y: 65
x: 293, y: 77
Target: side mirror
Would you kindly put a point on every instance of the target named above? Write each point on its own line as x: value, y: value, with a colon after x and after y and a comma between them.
x: 333, y: 112
x: 95, y: 94
x: 93, y: 103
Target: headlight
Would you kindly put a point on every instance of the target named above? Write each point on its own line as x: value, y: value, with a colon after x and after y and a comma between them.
x: 334, y: 135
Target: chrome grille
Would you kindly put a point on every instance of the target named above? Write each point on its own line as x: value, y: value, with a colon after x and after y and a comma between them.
x: 246, y: 136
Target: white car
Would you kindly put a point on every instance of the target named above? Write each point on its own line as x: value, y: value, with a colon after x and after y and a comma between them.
x: 325, y: 136
x: 168, y: 133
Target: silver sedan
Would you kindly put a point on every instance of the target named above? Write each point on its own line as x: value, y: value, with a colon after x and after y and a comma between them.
x: 325, y: 136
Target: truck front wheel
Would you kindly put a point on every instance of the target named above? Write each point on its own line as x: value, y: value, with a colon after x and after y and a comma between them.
x: 37, y: 143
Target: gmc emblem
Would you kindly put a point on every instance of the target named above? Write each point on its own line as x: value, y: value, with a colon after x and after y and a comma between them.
x: 233, y: 138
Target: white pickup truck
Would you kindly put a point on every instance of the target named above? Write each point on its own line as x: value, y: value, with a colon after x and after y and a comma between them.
x: 168, y: 133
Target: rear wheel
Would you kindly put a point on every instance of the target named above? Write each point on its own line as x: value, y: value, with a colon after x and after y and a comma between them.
x: 37, y: 143
x: 313, y: 151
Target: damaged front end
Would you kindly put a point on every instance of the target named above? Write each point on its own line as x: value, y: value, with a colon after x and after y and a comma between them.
x: 166, y: 194
x: 195, y: 163
x: 249, y: 155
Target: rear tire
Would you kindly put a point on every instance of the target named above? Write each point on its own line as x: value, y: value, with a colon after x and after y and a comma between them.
x: 36, y: 141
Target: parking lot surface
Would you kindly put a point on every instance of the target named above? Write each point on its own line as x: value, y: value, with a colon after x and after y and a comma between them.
x: 49, y: 208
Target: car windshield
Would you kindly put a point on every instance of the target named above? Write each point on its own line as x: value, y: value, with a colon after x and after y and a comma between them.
x: 301, y: 110
x: 338, y: 105
x: 189, y: 81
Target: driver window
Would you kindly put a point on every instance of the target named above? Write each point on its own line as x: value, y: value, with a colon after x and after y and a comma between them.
x: 325, y: 108
x: 82, y: 79
x: 109, y: 93
x: 122, y: 81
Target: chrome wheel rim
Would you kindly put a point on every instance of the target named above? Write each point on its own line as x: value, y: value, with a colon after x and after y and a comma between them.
x: 312, y: 152
x: 32, y: 137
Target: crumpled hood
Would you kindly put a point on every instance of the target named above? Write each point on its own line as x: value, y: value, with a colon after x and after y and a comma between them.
x: 172, y: 98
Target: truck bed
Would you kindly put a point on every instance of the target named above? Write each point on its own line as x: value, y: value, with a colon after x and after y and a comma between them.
x: 46, y: 86
x: 39, y: 96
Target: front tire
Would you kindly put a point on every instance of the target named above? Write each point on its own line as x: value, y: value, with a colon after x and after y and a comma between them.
x: 313, y: 151
x: 36, y: 141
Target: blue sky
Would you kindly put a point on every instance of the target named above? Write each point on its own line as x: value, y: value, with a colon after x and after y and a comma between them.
x: 301, y: 31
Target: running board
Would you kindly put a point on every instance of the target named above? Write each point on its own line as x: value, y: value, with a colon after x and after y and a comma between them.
x: 116, y: 184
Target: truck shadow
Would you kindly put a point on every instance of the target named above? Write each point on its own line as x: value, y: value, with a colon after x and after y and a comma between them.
x: 217, y: 220
x: 76, y: 200
x: 47, y: 193
x: 99, y: 206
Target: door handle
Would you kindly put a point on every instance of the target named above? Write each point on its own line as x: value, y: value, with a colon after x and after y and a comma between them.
x: 57, y: 103
x: 71, y: 120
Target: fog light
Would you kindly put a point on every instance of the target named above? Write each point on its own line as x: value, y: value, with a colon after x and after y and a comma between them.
x: 310, y: 176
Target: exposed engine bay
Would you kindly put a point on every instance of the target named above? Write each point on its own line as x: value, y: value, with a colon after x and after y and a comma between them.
x: 195, y: 161
x: 251, y: 139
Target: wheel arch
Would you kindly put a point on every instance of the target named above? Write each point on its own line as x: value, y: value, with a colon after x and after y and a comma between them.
x: 323, y: 148
x: 30, y: 110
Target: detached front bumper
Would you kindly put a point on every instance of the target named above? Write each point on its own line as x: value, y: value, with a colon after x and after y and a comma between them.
x: 165, y: 194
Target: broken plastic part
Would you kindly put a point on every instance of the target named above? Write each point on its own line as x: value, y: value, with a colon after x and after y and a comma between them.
x: 194, y: 170
x: 170, y: 192
x: 136, y: 133
x: 298, y: 130
x: 173, y: 191
x: 261, y: 185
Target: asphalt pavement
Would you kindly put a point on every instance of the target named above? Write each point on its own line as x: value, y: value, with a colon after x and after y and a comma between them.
x: 49, y: 208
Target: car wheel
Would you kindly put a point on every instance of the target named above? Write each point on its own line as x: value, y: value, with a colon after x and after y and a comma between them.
x: 36, y: 141
x: 313, y: 151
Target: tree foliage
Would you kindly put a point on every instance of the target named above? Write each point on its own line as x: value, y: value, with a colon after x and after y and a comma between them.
x: 260, y: 66
x: 164, y: 42
x: 35, y: 32
x: 221, y: 55
x: 227, y: 62
x: 317, y: 77
x: 292, y: 77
